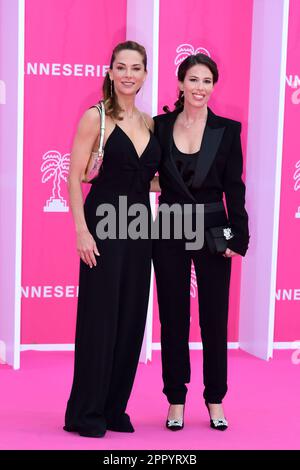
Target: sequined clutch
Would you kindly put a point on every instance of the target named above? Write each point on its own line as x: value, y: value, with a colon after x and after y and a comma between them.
x: 217, y: 237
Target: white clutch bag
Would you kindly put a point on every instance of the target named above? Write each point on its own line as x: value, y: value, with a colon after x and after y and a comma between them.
x: 96, y: 157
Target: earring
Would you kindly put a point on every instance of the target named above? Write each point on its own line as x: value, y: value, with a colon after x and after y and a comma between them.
x: 111, y: 88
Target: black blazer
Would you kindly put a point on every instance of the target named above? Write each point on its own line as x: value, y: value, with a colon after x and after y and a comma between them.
x: 219, y: 170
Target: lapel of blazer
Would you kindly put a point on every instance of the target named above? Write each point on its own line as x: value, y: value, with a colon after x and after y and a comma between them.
x: 211, y: 140
x: 169, y: 163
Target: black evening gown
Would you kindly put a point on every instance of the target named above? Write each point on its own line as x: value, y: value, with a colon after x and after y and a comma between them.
x: 113, y: 296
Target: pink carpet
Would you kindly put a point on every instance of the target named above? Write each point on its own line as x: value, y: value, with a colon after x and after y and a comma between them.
x: 262, y: 406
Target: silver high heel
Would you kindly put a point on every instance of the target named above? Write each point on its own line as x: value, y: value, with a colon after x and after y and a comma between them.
x: 221, y: 424
x: 175, y: 424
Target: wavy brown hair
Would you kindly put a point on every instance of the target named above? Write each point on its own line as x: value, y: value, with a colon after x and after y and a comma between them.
x: 111, y: 103
x: 190, y: 61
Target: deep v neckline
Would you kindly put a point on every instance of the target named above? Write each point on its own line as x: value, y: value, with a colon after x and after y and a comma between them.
x: 136, y: 152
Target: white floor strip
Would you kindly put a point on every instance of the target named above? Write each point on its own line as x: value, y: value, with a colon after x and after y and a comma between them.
x: 155, y: 346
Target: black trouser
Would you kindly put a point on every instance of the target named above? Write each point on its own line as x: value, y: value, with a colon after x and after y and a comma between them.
x: 172, y: 265
x: 112, y: 309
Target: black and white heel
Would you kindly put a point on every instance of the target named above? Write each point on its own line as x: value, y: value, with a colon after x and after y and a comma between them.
x: 221, y: 424
x: 175, y: 424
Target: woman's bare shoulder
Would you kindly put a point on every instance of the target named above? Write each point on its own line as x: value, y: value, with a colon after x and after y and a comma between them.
x: 148, y: 120
x: 89, y: 120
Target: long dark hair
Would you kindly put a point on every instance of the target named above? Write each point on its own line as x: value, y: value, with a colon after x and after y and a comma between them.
x: 190, y: 61
x: 111, y: 103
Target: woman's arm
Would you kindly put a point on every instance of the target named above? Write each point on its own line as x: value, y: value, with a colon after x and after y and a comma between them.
x: 87, y: 133
x: 154, y: 185
x: 234, y: 188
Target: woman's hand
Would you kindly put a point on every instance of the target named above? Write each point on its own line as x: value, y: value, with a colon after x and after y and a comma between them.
x: 87, y: 248
x: 229, y: 253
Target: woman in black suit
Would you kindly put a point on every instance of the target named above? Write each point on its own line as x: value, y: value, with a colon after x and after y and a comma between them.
x: 201, y: 161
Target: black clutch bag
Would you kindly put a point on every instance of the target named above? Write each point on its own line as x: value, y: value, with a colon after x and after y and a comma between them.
x: 217, y: 237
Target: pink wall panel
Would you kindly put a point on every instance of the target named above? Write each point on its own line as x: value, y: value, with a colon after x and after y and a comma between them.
x: 287, y: 318
x: 223, y: 29
x: 67, y: 49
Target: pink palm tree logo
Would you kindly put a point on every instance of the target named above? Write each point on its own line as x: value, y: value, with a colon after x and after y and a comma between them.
x: 55, y: 166
x: 184, y: 50
x: 297, y: 184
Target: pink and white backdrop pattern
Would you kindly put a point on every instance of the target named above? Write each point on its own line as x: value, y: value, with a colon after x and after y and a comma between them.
x: 191, y: 27
x: 287, y: 313
x: 67, y: 52
x: 66, y: 57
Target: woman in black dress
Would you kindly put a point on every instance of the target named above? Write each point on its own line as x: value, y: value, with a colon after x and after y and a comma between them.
x: 201, y: 161
x: 114, y: 272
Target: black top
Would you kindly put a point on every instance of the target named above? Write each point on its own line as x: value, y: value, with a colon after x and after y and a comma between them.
x: 185, y: 163
x: 218, y: 171
x: 123, y: 171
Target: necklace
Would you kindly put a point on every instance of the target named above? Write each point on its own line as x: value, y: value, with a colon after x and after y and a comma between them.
x: 130, y: 116
x: 189, y: 125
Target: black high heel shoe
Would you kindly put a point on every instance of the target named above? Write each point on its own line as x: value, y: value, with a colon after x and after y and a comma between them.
x: 175, y: 424
x: 220, y: 424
